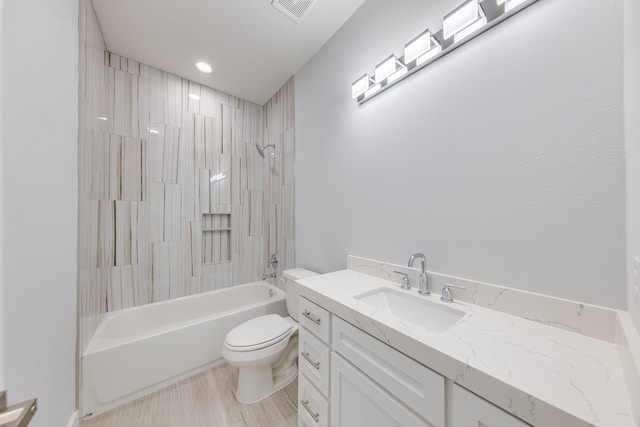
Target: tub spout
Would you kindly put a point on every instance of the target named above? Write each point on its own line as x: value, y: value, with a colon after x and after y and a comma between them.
x: 265, y: 275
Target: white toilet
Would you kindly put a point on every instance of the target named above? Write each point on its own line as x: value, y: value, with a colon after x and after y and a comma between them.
x: 265, y: 349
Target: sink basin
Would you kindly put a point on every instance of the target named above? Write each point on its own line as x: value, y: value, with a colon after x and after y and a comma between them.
x: 413, y: 309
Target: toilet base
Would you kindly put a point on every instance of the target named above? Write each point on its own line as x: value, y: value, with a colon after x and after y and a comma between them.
x: 256, y: 383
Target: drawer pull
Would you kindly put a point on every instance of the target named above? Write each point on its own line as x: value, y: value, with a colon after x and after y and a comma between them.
x: 311, y: 317
x: 305, y: 403
x: 310, y: 360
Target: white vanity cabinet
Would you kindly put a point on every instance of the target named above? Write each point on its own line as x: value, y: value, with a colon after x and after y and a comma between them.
x: 470, y: 410
x: 347, y: 378
x: 313, y: 365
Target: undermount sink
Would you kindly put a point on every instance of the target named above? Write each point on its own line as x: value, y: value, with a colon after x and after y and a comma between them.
x: 413, y: 309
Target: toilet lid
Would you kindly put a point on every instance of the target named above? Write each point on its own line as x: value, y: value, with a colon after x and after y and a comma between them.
x: 258, y: 333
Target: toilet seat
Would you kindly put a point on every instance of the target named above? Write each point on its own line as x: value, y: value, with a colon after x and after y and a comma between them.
x: 258, y: 333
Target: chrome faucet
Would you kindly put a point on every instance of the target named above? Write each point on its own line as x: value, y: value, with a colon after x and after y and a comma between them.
x: 265, y: 275
x: 424, y: 289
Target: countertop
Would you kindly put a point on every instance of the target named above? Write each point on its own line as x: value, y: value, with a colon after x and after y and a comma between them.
x: 544, y: 375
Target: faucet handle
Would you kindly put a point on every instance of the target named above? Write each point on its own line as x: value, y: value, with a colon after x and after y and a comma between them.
x: 405, y: 280
x: 446, y: 291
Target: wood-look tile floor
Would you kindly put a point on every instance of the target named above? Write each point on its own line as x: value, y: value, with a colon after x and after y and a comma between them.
x: 204, y: 400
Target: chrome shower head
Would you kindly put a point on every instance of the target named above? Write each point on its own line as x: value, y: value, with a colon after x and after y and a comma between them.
x: 261, y: 148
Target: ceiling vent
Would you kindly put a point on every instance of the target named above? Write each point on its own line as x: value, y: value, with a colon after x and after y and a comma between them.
x: 294, y: 9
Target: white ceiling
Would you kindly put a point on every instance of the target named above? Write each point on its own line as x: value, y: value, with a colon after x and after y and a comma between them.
x: 253, y: 47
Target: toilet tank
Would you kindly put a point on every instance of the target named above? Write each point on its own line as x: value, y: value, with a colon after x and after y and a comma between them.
x: 289, y: 277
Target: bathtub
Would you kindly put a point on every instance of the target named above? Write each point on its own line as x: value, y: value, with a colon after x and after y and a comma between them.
x: 139, y: 350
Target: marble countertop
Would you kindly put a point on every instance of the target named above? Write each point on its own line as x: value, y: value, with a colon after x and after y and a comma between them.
x: 544, y: 375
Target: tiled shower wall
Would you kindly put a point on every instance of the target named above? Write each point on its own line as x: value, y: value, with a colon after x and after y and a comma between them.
x: 154, y: 163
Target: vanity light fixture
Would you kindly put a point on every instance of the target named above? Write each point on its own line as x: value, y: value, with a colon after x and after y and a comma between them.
x: 465, y: 16
x: 204, y: 67
x: 465, y: 22
x: 420, y: 46
x: 360, y: 86
x: 510, y: 4
x: 387, y: 68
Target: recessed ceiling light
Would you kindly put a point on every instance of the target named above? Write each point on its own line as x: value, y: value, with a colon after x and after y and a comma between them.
x: 204, y: 67
x: 194, y: 96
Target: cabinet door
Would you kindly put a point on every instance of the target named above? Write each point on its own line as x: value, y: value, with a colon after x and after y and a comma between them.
x: 470, y: 410
x: 358, y: 401
x: 417, y: 387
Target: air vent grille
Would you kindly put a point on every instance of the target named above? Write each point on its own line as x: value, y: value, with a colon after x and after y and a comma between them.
x: 294, y: 9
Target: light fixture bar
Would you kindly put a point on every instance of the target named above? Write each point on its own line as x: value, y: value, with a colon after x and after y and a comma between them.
x: 465, y: 22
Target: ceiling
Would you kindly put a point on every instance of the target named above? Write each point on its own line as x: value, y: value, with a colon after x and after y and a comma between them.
x: 252, y: 46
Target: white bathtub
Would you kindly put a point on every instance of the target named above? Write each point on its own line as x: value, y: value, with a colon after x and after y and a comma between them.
x: 138, y: 350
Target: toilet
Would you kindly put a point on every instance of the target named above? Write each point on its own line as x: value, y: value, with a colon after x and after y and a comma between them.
x: 265, y: 349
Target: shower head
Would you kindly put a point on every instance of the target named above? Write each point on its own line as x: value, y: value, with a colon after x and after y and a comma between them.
x: 261, y: 148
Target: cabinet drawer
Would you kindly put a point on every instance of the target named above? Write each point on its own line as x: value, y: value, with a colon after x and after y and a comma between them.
x: 313, y: 407
x: 313, y: 360
x: 315, y: 318
x: 418, y: 387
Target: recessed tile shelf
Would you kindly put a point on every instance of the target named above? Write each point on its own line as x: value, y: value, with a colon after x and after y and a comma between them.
x: 216, y: 238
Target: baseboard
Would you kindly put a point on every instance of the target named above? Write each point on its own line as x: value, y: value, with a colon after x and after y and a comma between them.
x: 74, y: 421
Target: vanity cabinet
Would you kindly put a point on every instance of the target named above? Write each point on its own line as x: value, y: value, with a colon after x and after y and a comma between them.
x: 313, y: 365
x: 373, y: 384
x: 347, y: 378
x: 470, y: 410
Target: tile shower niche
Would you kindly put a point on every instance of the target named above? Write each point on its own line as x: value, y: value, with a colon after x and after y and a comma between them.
x: 216, y: 238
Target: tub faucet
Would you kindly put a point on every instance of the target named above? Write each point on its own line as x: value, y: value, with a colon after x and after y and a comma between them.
x: 265, y: 275
x: 424, y: 289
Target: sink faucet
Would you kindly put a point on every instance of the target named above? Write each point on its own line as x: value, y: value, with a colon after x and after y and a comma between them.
x: 424, y: 290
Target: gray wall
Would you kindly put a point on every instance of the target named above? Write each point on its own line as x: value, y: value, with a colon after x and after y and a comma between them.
x: 502, y: 161
x: 39, y: 134
x: 632, y: 141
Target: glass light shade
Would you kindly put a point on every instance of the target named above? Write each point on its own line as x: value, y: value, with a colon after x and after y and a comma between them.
x: 373, y: 89
x: 395, y: 76
x: 417, y: 46
x: 510, y: 4
x: 360, y: 86
x: 430, y: 54
x: 386, y: 68
x: 463, y: 16
x: 482, y: 20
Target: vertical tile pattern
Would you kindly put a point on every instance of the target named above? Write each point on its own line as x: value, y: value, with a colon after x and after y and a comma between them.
x: 277, y: 177
x: 147, y: 154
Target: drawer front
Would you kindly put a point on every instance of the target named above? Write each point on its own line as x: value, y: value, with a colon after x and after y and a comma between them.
x: 313, y: 407
x: 315, y: 318
x: 313, y: 360
x: 418, y: 387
